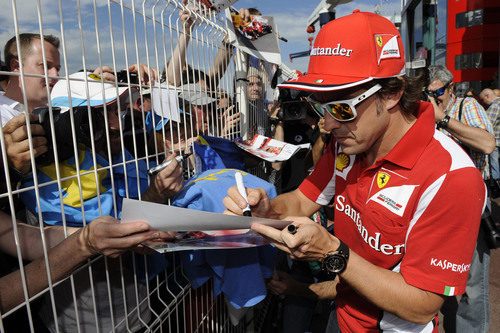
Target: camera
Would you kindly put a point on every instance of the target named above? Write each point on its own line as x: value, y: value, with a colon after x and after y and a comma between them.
x: 63, y: 133
x: 121, y: 77
x: 293, y: 105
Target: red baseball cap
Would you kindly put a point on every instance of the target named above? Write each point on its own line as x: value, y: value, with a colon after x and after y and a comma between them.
x: 352, y: 50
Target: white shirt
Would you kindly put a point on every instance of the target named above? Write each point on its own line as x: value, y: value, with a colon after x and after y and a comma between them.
x: 9, y: 109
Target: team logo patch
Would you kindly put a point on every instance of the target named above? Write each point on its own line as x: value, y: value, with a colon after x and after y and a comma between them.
x: 382, y: 179
x: 342, y: 161
x: 394, y: 198
x: 387, y: 46
x: 95, y: 77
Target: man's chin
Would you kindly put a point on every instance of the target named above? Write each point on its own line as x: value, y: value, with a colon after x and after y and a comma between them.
x: 351, y: 149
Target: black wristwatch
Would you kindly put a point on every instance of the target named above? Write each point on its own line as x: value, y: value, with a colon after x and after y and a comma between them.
x: 335, y: 262
x: 443, y: 123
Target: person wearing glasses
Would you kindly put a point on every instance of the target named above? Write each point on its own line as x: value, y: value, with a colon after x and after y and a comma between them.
x: 466, y: 121
x: 401, y: 245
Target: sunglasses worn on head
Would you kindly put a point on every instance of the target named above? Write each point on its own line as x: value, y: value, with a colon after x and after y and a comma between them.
x: 438, y: 92
x: 344, y: 110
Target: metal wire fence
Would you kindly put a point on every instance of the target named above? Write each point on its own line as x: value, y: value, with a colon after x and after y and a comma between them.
x: 113, y: 61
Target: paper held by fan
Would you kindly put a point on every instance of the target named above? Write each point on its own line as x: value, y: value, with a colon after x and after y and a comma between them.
x: 170, y: 218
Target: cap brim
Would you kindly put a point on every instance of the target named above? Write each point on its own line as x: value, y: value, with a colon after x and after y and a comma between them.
x: 81, y: 101
x: 321, y: 82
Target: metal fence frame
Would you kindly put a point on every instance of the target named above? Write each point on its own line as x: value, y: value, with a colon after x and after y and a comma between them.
x: 156, y: 28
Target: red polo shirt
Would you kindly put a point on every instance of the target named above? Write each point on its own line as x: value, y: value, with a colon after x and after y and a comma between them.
x: 415, y: 211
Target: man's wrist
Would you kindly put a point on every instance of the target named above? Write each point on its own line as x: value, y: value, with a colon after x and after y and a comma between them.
x: 82, y: 238
x: 153, y: 195
x: 335, y: 261
x: 440, y: 116
x: 443, y: 123
x: 335, y: 244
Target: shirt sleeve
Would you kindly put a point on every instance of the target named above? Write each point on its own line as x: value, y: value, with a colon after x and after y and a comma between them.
x: 443, y: 232
x: 319, y: 186
x: 474, y: 115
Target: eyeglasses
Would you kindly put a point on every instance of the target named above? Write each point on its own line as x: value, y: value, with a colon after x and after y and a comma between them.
x: 342, y: 110
x: 438, y: 92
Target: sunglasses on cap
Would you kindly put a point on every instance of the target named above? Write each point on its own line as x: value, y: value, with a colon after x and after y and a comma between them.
x: 344, y: 110
x: 438, y: 92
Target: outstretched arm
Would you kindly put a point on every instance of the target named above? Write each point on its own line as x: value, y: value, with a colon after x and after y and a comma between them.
x: 178, y: 60
x: 221, y: 63
x: 30, y: 240
x: 105, y: 235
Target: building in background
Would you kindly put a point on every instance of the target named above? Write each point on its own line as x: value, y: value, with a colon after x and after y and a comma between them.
x: 463, y: 35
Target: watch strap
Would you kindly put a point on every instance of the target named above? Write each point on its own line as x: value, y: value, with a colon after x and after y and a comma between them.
x: 443, y: 123
x: 343, y: 251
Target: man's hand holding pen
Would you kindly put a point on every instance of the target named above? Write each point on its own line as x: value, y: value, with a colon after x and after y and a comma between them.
x: 258, y: 201
x: 165, y: 182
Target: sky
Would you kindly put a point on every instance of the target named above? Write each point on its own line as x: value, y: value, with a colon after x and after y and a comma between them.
x: 93, y: 34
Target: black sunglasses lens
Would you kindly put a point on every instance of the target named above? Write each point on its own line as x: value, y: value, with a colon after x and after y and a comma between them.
x: 440, y: 91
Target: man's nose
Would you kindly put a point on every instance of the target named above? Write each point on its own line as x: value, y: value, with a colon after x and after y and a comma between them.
x: 53, y: 71
x: 331, y: 123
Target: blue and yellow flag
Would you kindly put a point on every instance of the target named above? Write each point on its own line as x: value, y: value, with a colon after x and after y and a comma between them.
x: 217, y: 153
x: 92, y: 193
x: 239, y: 273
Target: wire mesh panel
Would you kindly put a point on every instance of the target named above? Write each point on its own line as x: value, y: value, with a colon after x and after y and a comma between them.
x: 95, y: 94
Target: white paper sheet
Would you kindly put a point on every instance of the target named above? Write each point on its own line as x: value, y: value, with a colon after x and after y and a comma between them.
x: 165, y: 102
x: 170, y: 218
x: 270, y: 149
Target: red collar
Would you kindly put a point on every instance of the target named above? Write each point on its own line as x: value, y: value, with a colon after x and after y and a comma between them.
x: 408, y: 150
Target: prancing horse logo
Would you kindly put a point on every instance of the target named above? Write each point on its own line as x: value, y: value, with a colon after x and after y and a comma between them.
x: 382, y: 179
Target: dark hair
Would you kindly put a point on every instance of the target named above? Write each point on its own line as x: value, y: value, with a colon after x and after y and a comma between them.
x: 25, y: 40
x: 192, y: 75
x: 411, y: 87
x: 254, y: 11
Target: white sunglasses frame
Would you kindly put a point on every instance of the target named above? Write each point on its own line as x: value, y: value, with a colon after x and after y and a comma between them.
x: 351, y: 102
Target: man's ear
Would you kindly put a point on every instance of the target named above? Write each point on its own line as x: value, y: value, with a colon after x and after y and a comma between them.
x: 391, y: 101
x: 14, y: 65
x: 452, y: 87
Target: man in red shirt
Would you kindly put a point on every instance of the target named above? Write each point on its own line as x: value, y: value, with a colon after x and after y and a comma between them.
x: 408, y: 199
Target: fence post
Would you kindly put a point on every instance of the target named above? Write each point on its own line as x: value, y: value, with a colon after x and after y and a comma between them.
x: 241, y: 91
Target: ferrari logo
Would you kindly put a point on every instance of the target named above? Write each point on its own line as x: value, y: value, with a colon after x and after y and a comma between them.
x: 379, y: 40
x: 382, y: 179
x: 342, y: 161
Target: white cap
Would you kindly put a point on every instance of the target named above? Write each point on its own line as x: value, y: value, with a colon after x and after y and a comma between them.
x: 194, y: 94
x: 78, y: 91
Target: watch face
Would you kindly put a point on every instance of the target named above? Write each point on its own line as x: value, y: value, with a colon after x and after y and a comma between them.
x: 335, y: 263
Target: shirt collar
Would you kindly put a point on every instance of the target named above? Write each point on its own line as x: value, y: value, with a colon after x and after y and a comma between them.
x: 408, y: 150
x: 11, y: 103
x: 450, y: 104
